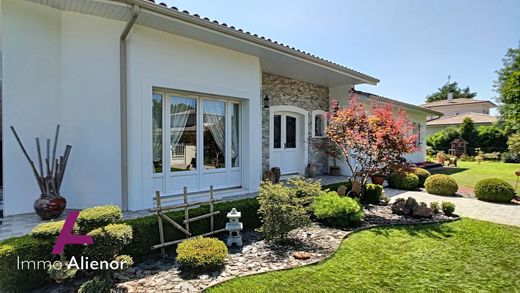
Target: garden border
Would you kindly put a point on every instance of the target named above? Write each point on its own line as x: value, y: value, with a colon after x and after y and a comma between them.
x: 355, y: 230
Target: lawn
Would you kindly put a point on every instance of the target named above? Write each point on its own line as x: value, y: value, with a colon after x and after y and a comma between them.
x: 469, y: 173
x: 467, y: 255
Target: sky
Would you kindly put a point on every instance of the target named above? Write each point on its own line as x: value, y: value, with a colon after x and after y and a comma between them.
x: 411, y: 46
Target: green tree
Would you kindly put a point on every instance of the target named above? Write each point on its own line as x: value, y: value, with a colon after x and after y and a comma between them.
x: 441, y: 141
x: 514, y: 143
x: 507, y: 87
x: 468, y: 132
x: 491, y: 138
x: 450, y: 87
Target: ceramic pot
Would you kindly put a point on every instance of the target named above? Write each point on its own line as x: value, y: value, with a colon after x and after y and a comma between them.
x: 310, y: 170
x: 268, y: 176
x: 50, y: 206
x: 377, y: 179
x: 277, y: 174
x: 334, y: 170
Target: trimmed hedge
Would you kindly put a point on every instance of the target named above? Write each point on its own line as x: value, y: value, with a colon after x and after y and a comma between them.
x: 335, y: 186
x: 494, y: 190
x: 422, y: 174
x: 337, y: 211
x: 403, y: 180
x: 201, y: 253
x: 441, y: 184
x: 48, y: 230
x: 96, y: 217
x: 145, y: 234
x: 373, y: 194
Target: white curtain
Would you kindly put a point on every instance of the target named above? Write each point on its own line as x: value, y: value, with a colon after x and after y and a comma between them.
x: 234, y: 136
x: 182, y: 107
x: 214, y: 115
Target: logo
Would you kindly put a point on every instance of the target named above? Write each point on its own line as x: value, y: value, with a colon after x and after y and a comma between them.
x: 66, y: 237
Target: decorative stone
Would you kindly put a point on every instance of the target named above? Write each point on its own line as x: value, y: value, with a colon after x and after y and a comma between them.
x: 410, y: 205
x: 302, y: 255
x: 234, y: 227
x: 423, y: 211
x: 342, y: 190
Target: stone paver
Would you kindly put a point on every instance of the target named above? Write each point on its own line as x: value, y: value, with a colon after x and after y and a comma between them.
x: 508, y: 214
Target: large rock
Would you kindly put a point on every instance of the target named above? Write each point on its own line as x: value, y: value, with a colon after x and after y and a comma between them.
x: 342, y: 190
x: 410, y: 205
x: 422, y: 211
x: 398, y: 206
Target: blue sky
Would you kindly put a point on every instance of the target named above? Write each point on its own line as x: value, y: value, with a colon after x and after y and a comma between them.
x: 410, y: 45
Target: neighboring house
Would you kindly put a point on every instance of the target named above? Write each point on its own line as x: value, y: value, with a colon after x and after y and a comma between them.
x: 455, y: 110
x: 151, y: 98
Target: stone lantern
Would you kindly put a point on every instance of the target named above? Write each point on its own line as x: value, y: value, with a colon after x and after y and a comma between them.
x: 234, y: 227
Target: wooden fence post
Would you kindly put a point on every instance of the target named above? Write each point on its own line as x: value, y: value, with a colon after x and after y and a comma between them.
x: 186, y: 213
x: 161, y: 230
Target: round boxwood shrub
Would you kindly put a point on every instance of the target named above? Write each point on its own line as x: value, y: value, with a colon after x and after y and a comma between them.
x: 441, y: 184
x: 201, y: 253
x: 494, y: 190
x: 403, y: 180
x: 422, y: 174
x: 338, y: 211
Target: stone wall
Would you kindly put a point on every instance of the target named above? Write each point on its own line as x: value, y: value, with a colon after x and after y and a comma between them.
x: 283, y: 91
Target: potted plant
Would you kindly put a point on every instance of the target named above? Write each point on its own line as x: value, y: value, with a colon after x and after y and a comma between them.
x: 379, y: 176
x: 310, y: 170
x: 441, y: 157
x: 49, y: 176
x: 328, y: 147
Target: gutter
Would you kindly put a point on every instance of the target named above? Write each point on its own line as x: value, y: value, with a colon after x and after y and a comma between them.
x: 124, y: 106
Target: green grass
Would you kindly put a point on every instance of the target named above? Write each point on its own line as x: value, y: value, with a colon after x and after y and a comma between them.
x: 469, y: 173
x: 467, y: 255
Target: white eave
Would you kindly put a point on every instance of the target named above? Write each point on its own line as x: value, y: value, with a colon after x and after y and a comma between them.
x: 275, y: 58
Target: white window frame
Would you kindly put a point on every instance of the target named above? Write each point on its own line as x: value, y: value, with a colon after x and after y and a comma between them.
x: 323, y: 121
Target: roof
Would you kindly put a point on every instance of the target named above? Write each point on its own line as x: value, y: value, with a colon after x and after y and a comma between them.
x: 402, y: 104
x: 458, y: 101
x: 275, y: 57
x: 477, y: 118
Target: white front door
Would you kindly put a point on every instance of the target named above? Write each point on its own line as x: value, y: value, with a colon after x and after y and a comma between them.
x: 286, y: 152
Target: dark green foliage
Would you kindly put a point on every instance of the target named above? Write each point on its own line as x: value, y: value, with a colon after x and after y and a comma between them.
x: 468, y: 132
x: 453, y: 87
x: 448, y: 208
x: 403, y: 180
x: 305, y: 189
x: 281, y: 211
x: 108, y: 241
x: 335, y: 186
x: 513, y: 143
x: 337, y: 211
x: 491, y: 138
x: 441, y: 184
x: 422, y: 174
x: 507, y: 86
x: 373, y: 194
x: 201, y: 254
x: 96, y: 217
x: 96, y: 285
x: 508, y: 157
x: 494, y: 190
x: 435, y: 206
x: 441, y: 141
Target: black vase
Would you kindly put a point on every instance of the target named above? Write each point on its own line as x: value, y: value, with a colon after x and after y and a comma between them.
x: 50, y: 206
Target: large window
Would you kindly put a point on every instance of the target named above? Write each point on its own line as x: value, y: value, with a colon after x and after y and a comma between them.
x: 214, y: 134
x: 157, y: 132
x: 318, y: 123
x: 183, y: 134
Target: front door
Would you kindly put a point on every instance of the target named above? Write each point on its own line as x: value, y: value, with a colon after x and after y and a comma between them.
x: 286, y: 142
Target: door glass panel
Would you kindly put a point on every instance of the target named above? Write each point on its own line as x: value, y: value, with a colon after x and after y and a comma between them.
x: 214, y: 134
x: 290, y: 132
x: 277, y: 135
x: 157, y: 131
x: 183, y: 134
x: 234, y: 136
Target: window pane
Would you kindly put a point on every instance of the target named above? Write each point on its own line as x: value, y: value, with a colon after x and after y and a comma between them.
x: 157, y: 130
x: 318, y: 125
x: 235, y: 118
x: 214, y: 134
x: 183, y: 134
x: 277, y: 131
x: 290, y: 132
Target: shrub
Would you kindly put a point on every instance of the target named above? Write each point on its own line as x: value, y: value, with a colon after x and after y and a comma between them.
x: 95, y: 285
x: 48, y: 230
x: 509, y: 157
x: 494, y: 190
x: 108, y: 241
x: 435, y: 206
x: 306, y: 190
x: 373, y: 194
x: 96, y: 217
x: 441, y: 184
x: 403, y: 180
x: 448, y: 208
x: 422, y: 174
x: 335, y: 186
x: 201, y: 253
x: 281, y: 211
x: 337, y: 211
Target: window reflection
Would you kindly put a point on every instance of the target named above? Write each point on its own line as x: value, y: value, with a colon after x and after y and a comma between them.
x: 214, y: 134
x: 183, y: 134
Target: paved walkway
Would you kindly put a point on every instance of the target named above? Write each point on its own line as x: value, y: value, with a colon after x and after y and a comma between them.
x: 508, y: 214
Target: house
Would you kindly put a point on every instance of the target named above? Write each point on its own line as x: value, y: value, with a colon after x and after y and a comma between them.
x: 155, y: 99
x: 455, y: 110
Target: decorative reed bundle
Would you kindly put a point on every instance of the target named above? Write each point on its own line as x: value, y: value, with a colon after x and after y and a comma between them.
x: 49, y: 179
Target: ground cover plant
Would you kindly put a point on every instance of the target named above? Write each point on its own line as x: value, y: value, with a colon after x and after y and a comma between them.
x: 466, y: 255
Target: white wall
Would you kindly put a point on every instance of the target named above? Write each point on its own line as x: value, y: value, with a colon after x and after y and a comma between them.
x: 63, y: 67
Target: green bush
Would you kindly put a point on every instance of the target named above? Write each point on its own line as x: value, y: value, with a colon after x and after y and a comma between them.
x: 422, y: 174
x: 335, y: 186
x: 96, y: 285
x: 336, y: 210
x: 448, y: 208
x: 108, y: 241
x: 281, y: 211
x: 96, y: 217
x: 434, y: 206
x: 201, y: 253
x: 306, y: 190
x: 509, y: 157
x: 373, y: 194
x: 494, y: 190
x: 441, y: 184
x: 403, y: 180
x: 48, y: 230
